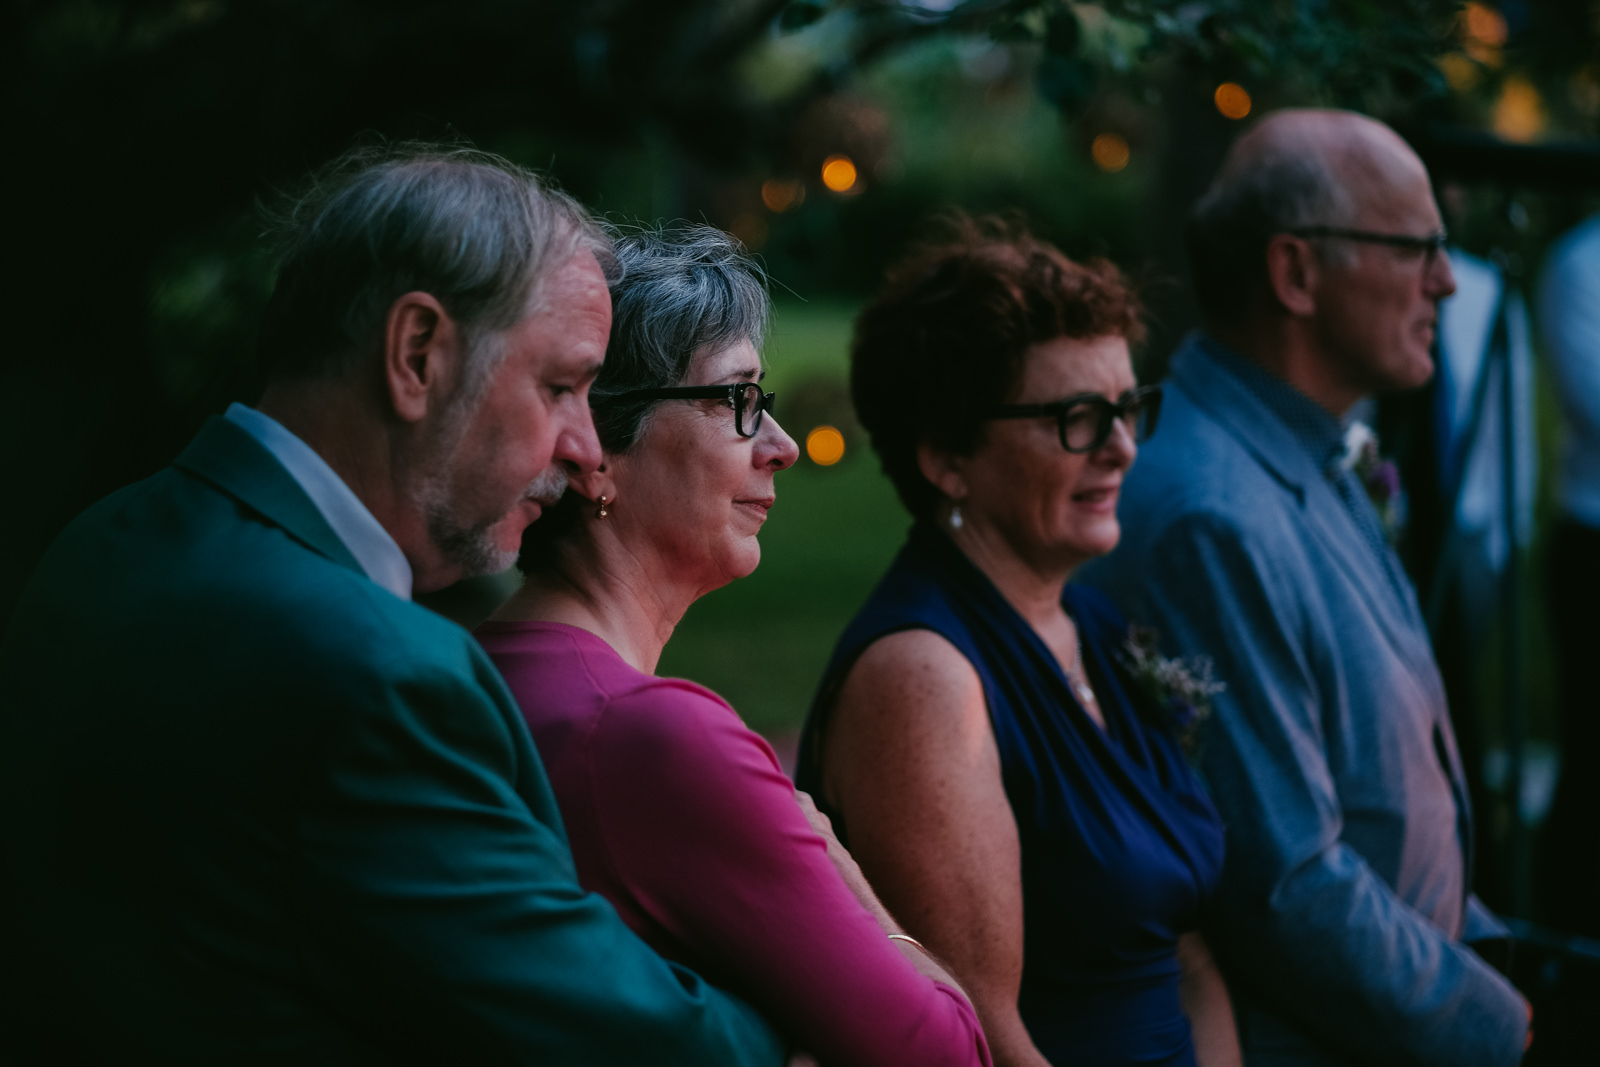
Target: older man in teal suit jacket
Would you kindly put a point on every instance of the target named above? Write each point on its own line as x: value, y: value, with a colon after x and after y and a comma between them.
x: 256, y: 806
x: 1345, y: 901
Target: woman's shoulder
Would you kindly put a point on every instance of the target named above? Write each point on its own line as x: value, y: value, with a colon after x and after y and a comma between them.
x: 675, y: 729
x: 666, y: 705
x: 917, y: 623
x: 561, y: 671
x: 911, y: 589
x: 552, y: 667
x: 550, y: 643
x: 915, y: 594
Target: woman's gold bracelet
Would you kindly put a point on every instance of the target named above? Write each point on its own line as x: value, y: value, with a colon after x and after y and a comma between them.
x: 908, y: 939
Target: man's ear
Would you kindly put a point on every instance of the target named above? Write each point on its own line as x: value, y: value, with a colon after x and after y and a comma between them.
x: 422, y: 354
x: 1292, y: 273
x: 943, y: 470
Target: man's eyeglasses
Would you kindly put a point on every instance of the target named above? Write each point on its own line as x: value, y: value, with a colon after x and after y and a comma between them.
x: 746, y: 399
x: 1429, y: 246
x: 1085, y: 421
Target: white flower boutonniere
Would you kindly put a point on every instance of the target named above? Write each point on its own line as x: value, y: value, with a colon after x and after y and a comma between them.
x: 1378, y: 476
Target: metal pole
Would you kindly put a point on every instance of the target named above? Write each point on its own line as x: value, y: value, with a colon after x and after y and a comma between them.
x: 1515, y: 668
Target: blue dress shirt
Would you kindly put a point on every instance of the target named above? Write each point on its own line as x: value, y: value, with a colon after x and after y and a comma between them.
x: 362, y: 534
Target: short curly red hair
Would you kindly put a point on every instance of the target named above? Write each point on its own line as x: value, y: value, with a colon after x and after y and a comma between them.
x: 944, y: 341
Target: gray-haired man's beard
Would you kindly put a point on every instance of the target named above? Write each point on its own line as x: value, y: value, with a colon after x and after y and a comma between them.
x: 472, y: 547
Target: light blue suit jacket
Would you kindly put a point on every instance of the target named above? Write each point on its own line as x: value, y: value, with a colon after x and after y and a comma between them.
x: 1345, y: 895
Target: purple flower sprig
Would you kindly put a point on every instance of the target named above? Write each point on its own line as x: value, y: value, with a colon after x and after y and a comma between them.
x: 1181, y: 688
x: 1378, y: 476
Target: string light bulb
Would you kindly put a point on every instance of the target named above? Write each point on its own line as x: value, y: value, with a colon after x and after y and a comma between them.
x: 1232, y: 99
x: 825, y: 446
x: 1110, y: 152
x: 839, y: 173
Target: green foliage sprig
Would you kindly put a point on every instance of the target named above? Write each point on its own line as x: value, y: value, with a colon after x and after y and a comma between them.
x: 1353, y: 52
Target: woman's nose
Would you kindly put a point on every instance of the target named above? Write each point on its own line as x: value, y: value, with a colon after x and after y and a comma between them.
x: 1120, y: 448
x: 774, y: 447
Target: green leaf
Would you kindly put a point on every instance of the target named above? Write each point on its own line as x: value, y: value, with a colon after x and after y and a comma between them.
x: 800, y: 14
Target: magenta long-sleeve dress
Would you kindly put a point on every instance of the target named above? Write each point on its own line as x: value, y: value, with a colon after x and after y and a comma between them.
x: 681, y: 817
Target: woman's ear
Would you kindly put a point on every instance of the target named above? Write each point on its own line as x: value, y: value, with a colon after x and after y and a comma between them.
x: 943, y: 470
x: 597, y: 483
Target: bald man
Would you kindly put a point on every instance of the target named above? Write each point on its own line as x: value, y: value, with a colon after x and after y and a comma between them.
x: 1345, y: 913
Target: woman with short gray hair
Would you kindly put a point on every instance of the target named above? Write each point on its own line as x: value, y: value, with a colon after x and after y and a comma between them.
x: 677, y: 813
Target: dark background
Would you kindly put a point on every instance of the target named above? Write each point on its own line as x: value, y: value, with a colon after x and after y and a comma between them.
x: 142, y: 135
x: 143, y: 138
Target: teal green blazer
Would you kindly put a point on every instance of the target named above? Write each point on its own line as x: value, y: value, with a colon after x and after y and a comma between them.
x: 254, y: 808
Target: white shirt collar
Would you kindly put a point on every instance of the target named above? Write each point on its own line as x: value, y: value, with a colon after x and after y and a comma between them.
x: 362, y: 534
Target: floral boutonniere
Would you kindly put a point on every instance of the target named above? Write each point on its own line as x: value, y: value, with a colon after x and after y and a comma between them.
x: 1378, y: 476
x: 1181, y: 688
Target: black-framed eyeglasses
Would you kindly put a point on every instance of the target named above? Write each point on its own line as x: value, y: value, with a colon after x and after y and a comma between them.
x: 746, y: 398
x: 1085, y: 421
x: 1429, y: 246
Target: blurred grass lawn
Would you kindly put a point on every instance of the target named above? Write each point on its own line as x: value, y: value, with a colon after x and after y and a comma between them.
x: 762, y: 641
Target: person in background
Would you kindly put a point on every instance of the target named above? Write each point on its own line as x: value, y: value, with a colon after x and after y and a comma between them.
x: 980, y: 739
x: 256, y: 805
x: 1569, y: 318
x: 1345, y: 916
x: 678, y: 814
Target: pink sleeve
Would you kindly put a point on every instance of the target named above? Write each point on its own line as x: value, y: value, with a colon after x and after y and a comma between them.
x: 701, y: 826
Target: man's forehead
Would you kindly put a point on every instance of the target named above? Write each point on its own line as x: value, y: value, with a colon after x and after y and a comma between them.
x: 569, y: 323
x: 1377, y: 161
x: 576, y: 284
x: 1403, y: 199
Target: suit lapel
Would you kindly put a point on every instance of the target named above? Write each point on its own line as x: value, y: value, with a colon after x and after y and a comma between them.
x: 1259, y: 430
x: 230, y: 459
x: 1381, y: 582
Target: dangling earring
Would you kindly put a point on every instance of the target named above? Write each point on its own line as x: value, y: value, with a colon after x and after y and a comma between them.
x: 955, y: 517
x: 602, y: 512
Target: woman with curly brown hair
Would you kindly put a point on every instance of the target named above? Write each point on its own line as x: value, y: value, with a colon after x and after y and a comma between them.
x: 981, y: 742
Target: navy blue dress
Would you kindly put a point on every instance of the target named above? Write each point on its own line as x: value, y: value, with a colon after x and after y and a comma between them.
x: 1120, y: 845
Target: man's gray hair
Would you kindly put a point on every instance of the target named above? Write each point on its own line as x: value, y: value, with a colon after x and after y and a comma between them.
x: 681, y: 290
x: 474, y: 230
x: 1232, y: 223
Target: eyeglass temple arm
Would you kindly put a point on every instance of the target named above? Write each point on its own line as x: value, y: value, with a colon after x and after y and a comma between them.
x: 1141, y: 395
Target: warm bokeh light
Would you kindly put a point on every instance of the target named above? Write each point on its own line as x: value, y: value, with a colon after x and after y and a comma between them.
x: 1485, y: 24
x: 751, y: 230
x: 839, y: 173
x: 1110, y: 152
x: 1519, y: 114
x: 1483, y: 32
x: 1584, y: 90
x: 1232, y: 100
x: 781, y: 194
x: 825, y: 446
x: 1459, y: 71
